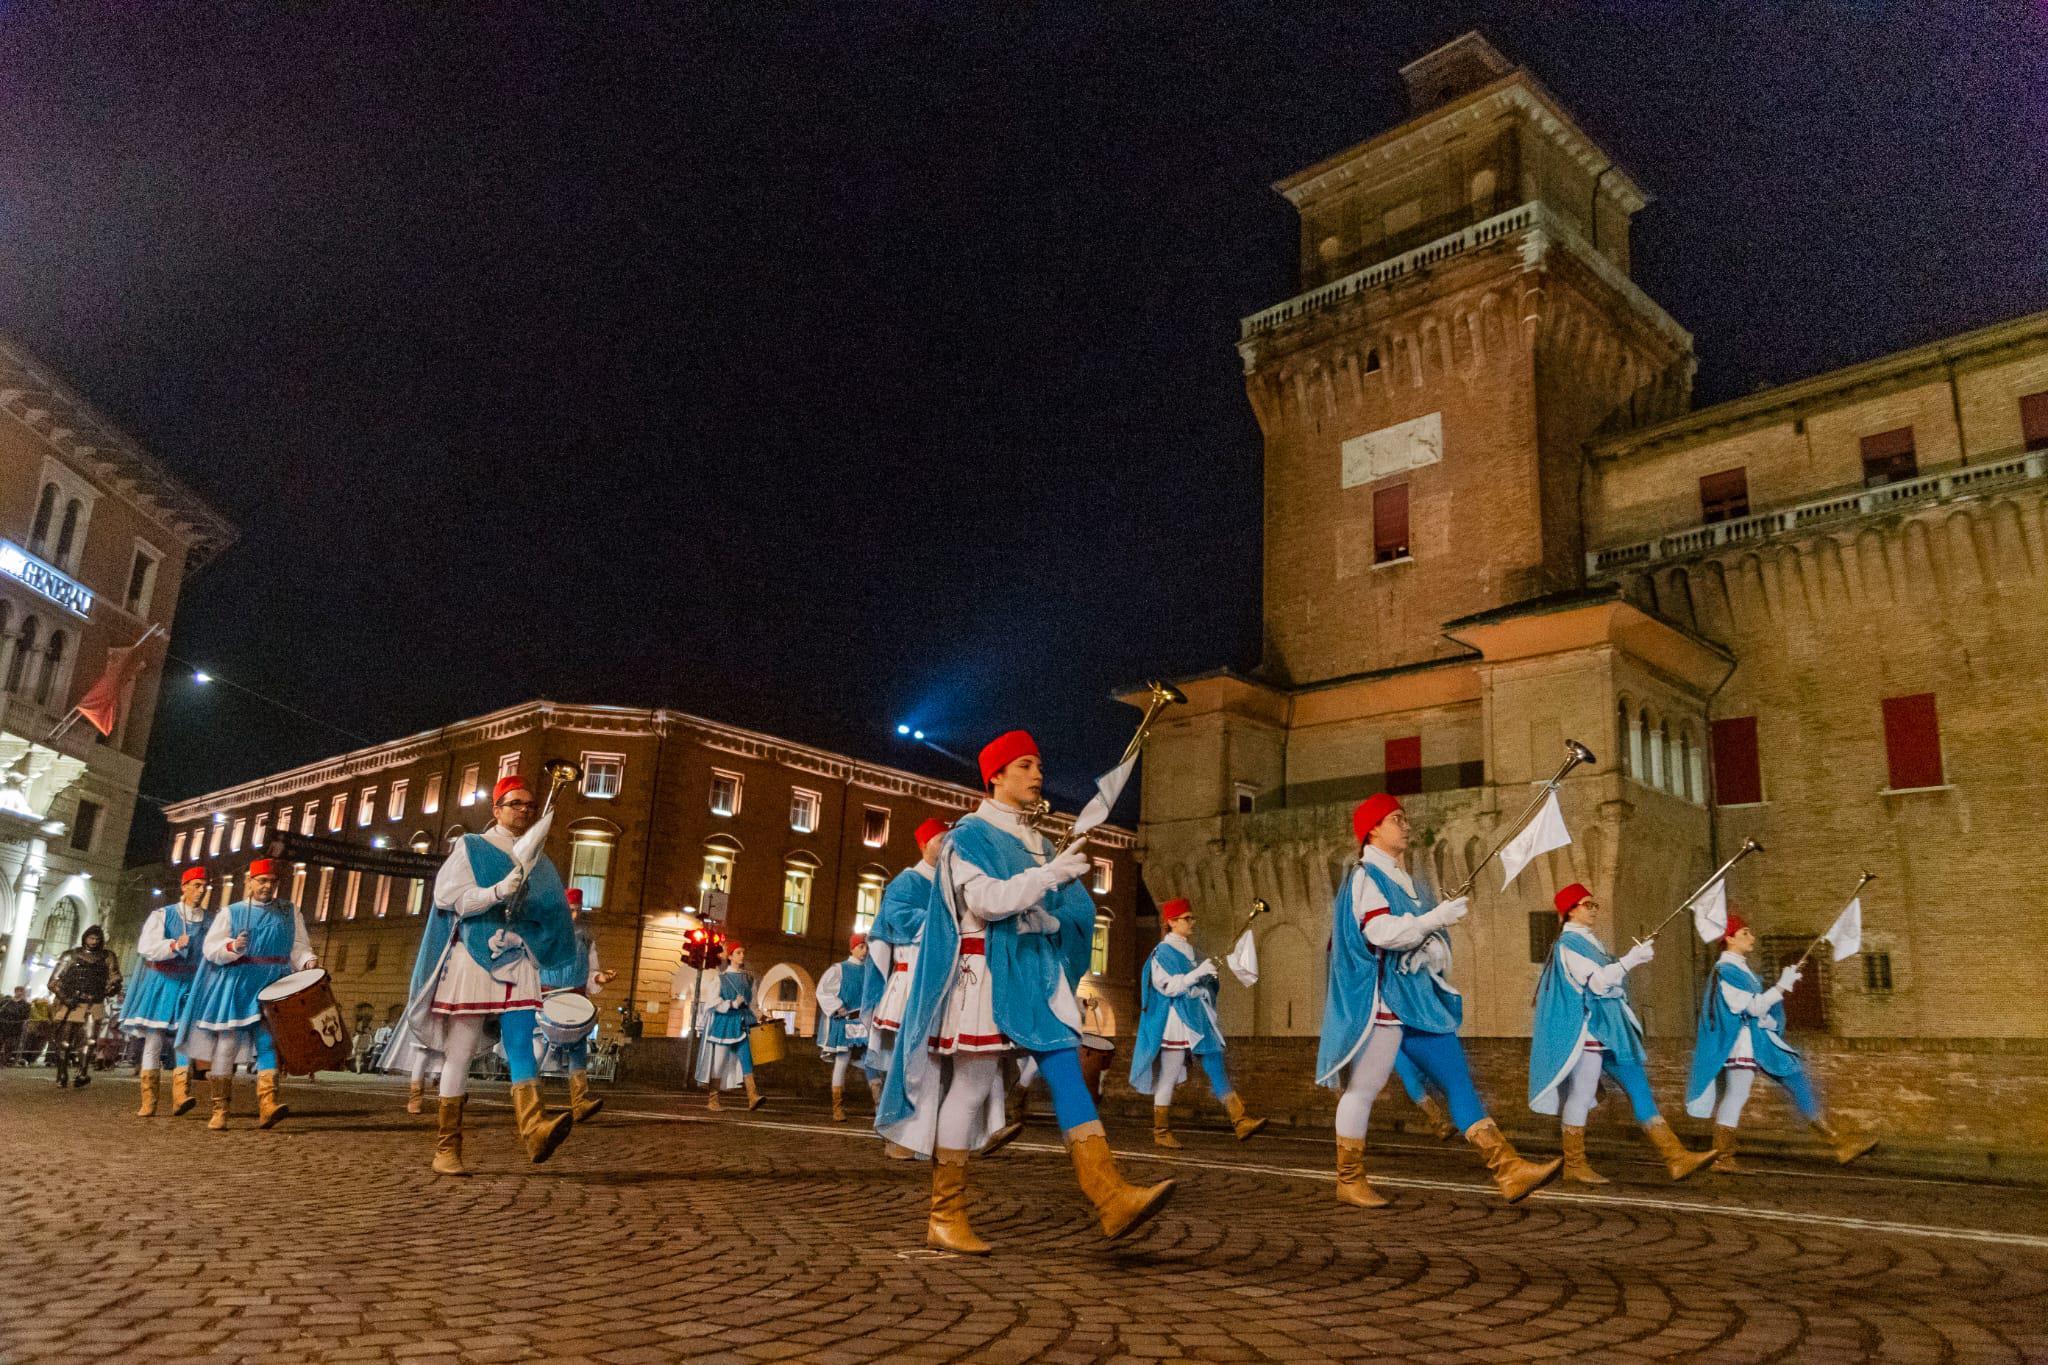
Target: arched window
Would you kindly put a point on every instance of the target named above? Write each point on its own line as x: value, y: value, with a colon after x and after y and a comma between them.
x: 1372, y: 359
x: 451, y: 838
x: 1695, y: 770
x: 24, y: 650
x: 1654, y: 740
x: 590, y: 858
x: 1638, y: 737
x: 1628, y: 762
x: 46, y: 512
x: 53, y: 664
x: 867, y: 901
x: 799, y: 877
x: 721, y: 855
x: 73, y: 510
x: 62, y: 927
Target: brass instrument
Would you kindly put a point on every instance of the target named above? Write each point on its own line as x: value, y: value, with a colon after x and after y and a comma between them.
x: 1038, y: 816
x: 1259, y: 907
x: 1866, y: 879
x: 1575, y: 754
x: 1749, y: 846
x: 560, y: 773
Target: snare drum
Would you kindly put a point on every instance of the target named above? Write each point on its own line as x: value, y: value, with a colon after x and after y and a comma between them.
x: 305, y: 1022
x: 765, y: 1042
x: 566, y: 1019
x: 1096, y: 1054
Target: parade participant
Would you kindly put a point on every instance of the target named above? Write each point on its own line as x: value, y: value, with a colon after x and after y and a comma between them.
x: 1584, y: 1029
x: 248, y: 945
x: 14, y: 1014
x: 1742, y: 1032
x: 508, y: 921
x: 1007, y: 935
x: 1178, y: 1018
x: 726, y: 1057
x: 581, y: 976
x: 421, y: 1061
x: 171, y: 947
x: 845, y: 994
x: 1388, y: 996
x: 892, y: 951
x: 82, y: 982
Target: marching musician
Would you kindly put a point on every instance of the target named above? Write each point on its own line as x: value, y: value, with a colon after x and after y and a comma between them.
x: 1742, y: 1032
x: 82, y: 982
x: 508, y: 921
x: 173, y: 939
x: 1007, y: 934
x: 581, y: 975
x: 845, y: 995
x: 1178, y: 1019
x: 727, y: 1057
x: 1388, y: 996
x: 1584, y: 1029
x: 892, y: 952
x: 249, y: 945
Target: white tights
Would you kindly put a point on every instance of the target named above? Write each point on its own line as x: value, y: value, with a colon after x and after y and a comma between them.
x: 977, y: 1076
x: 1735, y: 1084
x: 459, y: 1043
x: 840, y: 1064
x: 1581, y: 1088
x: 153, y: 1049
x: 1171, y: 1070
x: 1369, y: 1073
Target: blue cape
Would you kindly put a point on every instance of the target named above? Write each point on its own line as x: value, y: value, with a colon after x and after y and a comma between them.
x: 1196, y: 1008
x: 1721, y: 1026
x: 1563, y: 1012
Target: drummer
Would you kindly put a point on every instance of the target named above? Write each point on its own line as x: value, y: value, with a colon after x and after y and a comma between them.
x: 580, y: 977
x: 727, y: 1058
x: 249, y: 945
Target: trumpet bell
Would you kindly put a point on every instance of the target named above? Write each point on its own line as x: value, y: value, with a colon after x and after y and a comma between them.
x: 1580, y: 752
x: 1167, y: 692
x: 561, y: 771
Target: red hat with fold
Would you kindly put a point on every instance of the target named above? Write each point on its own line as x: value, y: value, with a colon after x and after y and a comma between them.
x: 263, y: 867
x: 575, y: 895
x: 930, y: 830
x: 1370, y: 812
x: 1568, y: 899
x: 193, y: 874
x: 1177, y: 908
x: 1005, y: 749
x: 514, y: 783
x: 855, y: 941
x: 1736, y: 924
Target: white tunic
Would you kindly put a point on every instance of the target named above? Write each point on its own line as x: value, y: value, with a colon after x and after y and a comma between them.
x: 969, y: 1022
x: 1588, y: 975
x: 466, y: 985
x: 1756, y: 1005
x: 1177, y: 1034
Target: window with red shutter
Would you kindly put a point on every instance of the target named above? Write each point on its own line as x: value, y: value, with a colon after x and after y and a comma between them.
x: 1404, y: 766
x: 1390, y: 524
x: 1912, y: 741
x: 1724, y: 496
x: 1888, y: 457
x: 2034, y: 420
x: 1738, y: 780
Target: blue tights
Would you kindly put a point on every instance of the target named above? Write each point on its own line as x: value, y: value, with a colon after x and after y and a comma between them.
x: 1440, y: 1057
x: 515, y: 1027
x: 1072, y: 1105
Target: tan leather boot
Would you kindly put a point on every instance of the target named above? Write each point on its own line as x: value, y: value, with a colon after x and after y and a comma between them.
x: 1680, y: 1161
x: 1122, y: 1207
x: 839, y: 1104
x: 448, y: 1137
x: 1242, y: 1124
x: 948, y: 1229
x: 584, y: 1105
x: 711, y: 1101
x: 896, y: 1152
x: 181, y: 1091
x: 223, y: 1096
x: 540, y: 1133
x: 1576, y: 1167
x: 1439, y: 1118
x: 148, y: 1109
x: 1352, y: 1186
x: 416, y: 1097
x: 268, y: 1109
x: 754, y: 1100
x: 1162, y: 1127
x: 1515, y: 1178
x: 1724, y: 1152
x: 1845, y: 1148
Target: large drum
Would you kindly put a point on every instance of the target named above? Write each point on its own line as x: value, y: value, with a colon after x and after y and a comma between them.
x: 305, y: 1023
x: 566, y: 1019
x: 765, y: 1042
x: 1096, y: 1054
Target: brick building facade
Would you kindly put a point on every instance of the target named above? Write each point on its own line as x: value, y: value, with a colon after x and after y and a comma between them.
x: 670, y: 806
x: 1814, y: 616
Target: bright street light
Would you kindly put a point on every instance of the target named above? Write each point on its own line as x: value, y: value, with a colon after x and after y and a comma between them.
x: 201, y: 676
x: 903, y: 729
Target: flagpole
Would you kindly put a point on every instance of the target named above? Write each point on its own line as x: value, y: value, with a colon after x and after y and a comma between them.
x: 1575, y: 754
x: 1749, y: 846
x: 1861, y: 882
x: 63, y: 726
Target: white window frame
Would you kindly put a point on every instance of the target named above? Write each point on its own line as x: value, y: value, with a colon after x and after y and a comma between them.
x: 351, y: 891
x: 394, y: 807
x: 143, y: 550
x: 415, y: 896
x: 178, y: 847
x: 430, y: 800
x: 1099, y: 944
x: 596, y: 763
x: 1101, y: 876
x: 798, y: 796
x: 337, y: 812
x: 381, y: 897
x: 508, y: 765
x: 309, y: 818
x: 739, y: 791
x: 325, y: 903
x: 259, y: 830
x: 220, y: 832
x: 298, y: 884
x: 880, y: 840
x: 70, y: 484
x: 366, y: 807
x: 867, y: 901
x: 806, y: 876
x: 469, y: 779
x: 582, y: 844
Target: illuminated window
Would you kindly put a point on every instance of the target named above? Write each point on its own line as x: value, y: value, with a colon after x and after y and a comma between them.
x: 803, y: 811
x: 1098, y: 951
x: 227, y: 888
x: 508, y: 765
x: 298, y: 896
x: 395, y: 808
x: 415, y: 896
x: 262, y: 828
x: 309, y: 818
x: 220, y: 831
x: 366, y: 806
x: 337, y: 811
x: 178, y: 847
x: 590, y: 861
x: 380, y: 899
x: 468, y: 788
x: 603, y: 775
x: 720, y: 854
x: 725, y: 793
x: 284, y: 820
x: 348, y: 893
x: 431, y: 802
x: 798, y: 873
x: 326, y: 899
x: 241, y: 827
x: 868, y: 898
x: 1099, y: 875
x: 874, y: 827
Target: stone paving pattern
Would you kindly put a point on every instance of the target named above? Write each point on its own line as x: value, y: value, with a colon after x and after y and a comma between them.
x: 749, y: 1239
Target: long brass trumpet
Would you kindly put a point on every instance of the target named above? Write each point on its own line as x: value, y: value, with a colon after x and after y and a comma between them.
x: 1749, y: 846
x: 1039, y: 817
x: 1259, y: 907
x: 1575, y: 754
x: 560, y: 773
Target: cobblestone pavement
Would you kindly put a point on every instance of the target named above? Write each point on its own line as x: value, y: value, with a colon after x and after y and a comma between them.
x: 661, y: 1233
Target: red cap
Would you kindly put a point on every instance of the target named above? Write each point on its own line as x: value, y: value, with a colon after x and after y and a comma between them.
x: 263, y: 867
x: 1005, y: 749
x: 1736, y: 924
x: 855, y: 942
x: 1568, y: 899
x: 193, y: 874
x: 1370, y: 812
x: 514, y: 783
x: 930, y: 830
x: 1175, y: 908
x: 575, y: 895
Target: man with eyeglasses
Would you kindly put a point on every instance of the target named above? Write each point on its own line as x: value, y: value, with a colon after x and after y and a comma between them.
x: 508, y: 922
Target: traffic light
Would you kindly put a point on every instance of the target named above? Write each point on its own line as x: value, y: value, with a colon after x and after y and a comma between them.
x: 703, y: 947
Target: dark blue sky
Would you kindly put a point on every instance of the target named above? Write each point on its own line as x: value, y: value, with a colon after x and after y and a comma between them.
x: 819, y: 367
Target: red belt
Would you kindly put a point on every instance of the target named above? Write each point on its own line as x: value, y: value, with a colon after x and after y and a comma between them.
x: 901, y: 967
x: 975, y: 946
x: 172, y: 968
x: 266, y: 961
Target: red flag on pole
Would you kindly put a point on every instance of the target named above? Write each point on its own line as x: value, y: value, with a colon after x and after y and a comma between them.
x: 100, y: 707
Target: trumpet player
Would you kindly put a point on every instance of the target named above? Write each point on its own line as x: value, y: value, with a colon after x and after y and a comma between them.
x: 1178, y: 1020
x: 1583, y: 1030
x: 508, y: 922
x: 1007, y: 934
x: 1389, y: 996
x: 172, y: 939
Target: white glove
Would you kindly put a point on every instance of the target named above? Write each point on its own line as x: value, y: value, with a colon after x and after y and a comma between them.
x: 509, y: 884
x: 1787, y: 979
x: 1070, y: 866
x: 1638, y: 955
x: 505, y: 941
x: 1436, y: 954
x: 1038, y: 920
x: 1206, y: 971
x: 1450, y: 912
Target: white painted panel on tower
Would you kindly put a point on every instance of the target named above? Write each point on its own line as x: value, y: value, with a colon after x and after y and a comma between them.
x: 1390, y: 450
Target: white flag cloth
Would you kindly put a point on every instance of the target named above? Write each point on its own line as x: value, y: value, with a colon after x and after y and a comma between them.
x: 1710, y: 911
x: 1244, y: 960
x: 1846, y: 933
x: 1539, y: 836
x: 1108, y: 788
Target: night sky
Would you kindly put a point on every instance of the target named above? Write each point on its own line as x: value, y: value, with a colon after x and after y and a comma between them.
x: 815, y: 368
